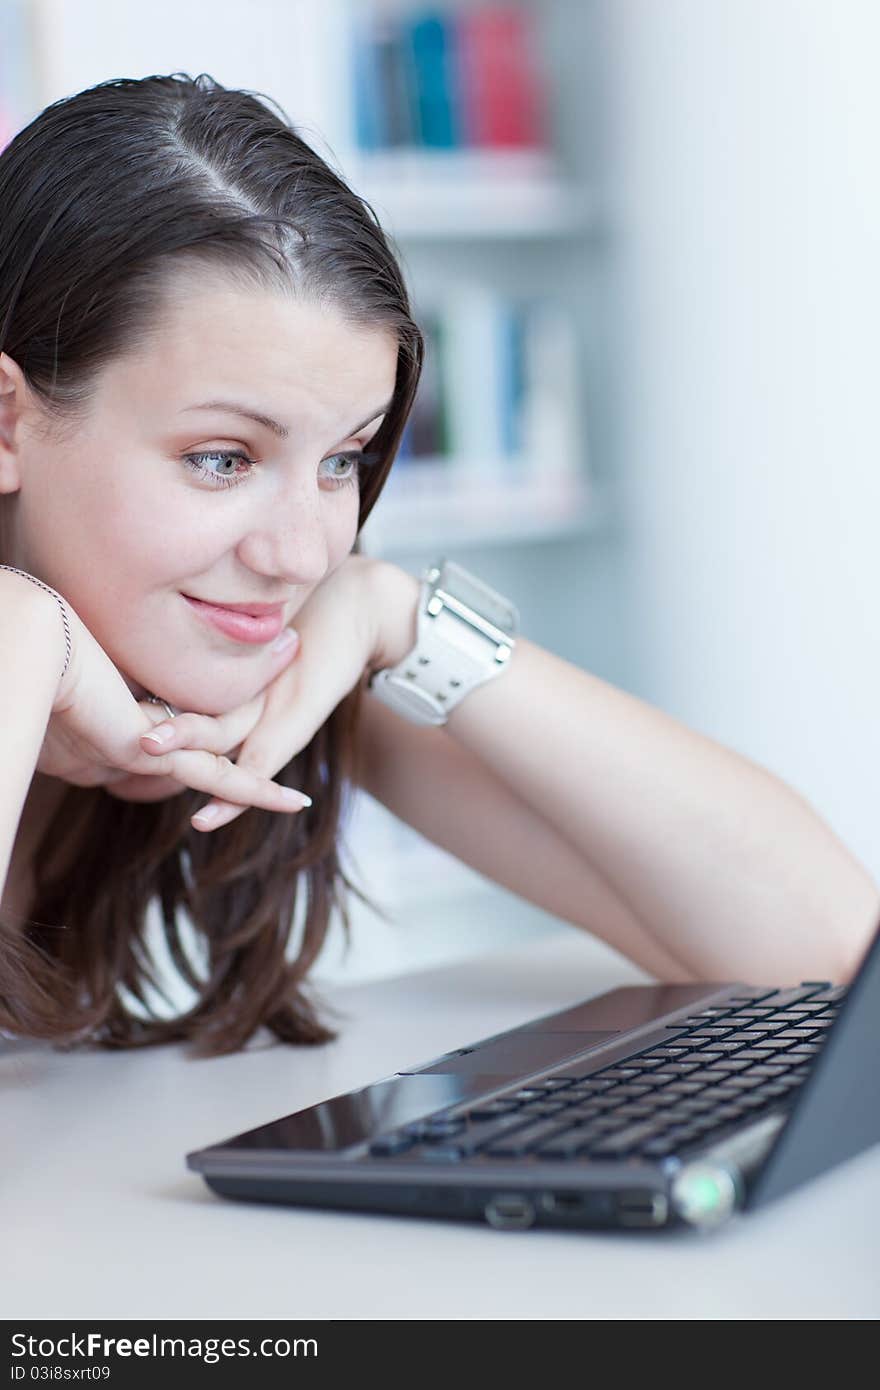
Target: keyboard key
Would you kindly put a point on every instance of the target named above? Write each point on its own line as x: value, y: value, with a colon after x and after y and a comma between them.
x: 685, y: 1088
x: 580, y: 1114
x: 618, y: 1073
x: 442, y: 1129
x: 565, y: 1145
x: 657, y: 1148
x: 389, y: 1144
x: 441, y: 1153
x: 484, y: 1130
x: 634, y: 1112
x: 515, y: 1145
x: 502, y: 1106
x: 625, y: 1140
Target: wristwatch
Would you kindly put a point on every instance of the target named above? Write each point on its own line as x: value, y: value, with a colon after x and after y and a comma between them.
x: 465, y: 637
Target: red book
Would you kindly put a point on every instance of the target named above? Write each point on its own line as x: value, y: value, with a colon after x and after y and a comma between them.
x: 499, y: 80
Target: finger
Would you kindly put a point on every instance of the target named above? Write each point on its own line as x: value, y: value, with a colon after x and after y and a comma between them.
x: 257, y: 756
x: 221, y: 778
x: 215, y: 733
x: 295, y: 711
x: 276, y: 739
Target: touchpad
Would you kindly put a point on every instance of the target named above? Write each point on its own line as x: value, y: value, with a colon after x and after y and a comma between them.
x: 518, y: 1054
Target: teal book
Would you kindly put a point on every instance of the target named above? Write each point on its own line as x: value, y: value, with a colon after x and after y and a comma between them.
x: 432, y: 43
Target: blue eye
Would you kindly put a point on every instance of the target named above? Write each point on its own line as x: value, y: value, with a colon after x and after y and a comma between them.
x: 351, y: 464
x: 195, y: 462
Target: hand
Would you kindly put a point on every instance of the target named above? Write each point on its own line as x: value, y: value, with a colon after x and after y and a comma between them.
x: 362, y: 616
x: 94, y: 733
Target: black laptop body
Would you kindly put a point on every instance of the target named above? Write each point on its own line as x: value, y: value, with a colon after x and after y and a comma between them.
x: 649, y: 1106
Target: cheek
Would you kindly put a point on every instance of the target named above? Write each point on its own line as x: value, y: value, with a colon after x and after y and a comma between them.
x: 342, y: 527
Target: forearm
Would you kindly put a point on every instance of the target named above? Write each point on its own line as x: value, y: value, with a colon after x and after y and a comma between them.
x: 31, y: 657
x: 727, y: 867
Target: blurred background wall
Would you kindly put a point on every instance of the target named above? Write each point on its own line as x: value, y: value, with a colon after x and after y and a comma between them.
x: 701, y: 201
x: 738, y: 174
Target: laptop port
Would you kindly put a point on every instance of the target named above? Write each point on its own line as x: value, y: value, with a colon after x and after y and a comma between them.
x: 509, y: 1212
x: 642, y: 1208
x: 562, y: 1201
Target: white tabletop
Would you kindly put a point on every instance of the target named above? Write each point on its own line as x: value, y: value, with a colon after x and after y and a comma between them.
x: 101, y: 1218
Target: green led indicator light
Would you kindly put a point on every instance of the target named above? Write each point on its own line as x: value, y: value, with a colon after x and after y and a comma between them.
x: 706, y: 1192
x: 704, y: 1196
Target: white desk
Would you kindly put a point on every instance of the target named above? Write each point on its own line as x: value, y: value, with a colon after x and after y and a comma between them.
x: 101, y: 1219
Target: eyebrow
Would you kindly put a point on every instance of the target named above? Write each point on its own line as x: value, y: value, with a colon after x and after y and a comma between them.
x: 235, y: 408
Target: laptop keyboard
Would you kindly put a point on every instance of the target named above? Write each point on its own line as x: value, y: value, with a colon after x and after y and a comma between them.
x: 717, y: 1067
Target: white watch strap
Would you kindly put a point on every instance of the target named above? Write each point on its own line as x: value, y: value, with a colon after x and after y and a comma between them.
x: 465, y: 638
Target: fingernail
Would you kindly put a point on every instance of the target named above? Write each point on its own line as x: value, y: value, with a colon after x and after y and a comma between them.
x: 208, y: 815
x: 286, y: 638
x: 295, y: 798
x: 161, y: 734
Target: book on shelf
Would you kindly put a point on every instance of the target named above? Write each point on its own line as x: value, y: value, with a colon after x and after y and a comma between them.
x: 500, y: 92
x: 499, y: 397
x: 440, y: 79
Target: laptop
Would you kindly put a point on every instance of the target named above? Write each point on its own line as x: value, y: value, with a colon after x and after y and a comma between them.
x: 650, y: 1106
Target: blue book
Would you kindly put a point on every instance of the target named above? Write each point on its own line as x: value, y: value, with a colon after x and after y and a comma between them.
x: 511, y: 368
x: 433, y: 48
x: 396, y: 83
x: 368, y: 103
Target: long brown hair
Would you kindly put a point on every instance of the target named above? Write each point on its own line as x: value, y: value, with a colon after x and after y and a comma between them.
x: 134, y: 179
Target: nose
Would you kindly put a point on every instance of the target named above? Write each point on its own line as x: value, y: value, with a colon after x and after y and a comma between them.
x: 289, y: 539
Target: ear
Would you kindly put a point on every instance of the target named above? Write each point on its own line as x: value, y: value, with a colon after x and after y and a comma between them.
x: 13, y: 395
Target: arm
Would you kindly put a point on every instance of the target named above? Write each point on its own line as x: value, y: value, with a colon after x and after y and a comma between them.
x: 473, y: 814
x: 716, y: 863
x: 31, y: 660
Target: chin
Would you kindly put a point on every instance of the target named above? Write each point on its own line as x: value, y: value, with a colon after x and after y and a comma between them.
x: 192, y: 701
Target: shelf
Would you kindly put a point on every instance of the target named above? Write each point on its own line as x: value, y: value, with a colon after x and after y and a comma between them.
x: 470, y: 194
x: 427, y: 504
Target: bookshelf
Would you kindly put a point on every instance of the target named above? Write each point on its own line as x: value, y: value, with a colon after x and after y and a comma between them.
x: 429, y: 195
x: 429, y: 511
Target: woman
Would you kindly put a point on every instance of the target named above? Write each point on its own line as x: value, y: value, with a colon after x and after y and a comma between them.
x: 207, y: 363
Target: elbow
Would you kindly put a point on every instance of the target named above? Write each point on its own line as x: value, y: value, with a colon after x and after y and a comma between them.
x: 854, y: 945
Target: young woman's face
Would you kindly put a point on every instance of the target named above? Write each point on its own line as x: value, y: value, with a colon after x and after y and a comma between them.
x: 124, y: 524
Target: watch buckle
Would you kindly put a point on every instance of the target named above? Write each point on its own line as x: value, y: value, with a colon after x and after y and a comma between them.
x: 440, y: 599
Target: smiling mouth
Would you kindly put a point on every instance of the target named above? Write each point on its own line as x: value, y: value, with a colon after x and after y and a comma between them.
x: 237, y: 625
x: 251, y: 610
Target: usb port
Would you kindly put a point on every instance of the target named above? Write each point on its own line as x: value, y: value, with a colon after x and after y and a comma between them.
x: 510, y: 1212
x: 642, y: 1208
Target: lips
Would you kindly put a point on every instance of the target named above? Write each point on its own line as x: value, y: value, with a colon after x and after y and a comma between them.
x: 242, y: 624
x: 254, y: 610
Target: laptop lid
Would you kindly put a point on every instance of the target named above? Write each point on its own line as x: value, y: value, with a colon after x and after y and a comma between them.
x: 837, y: 1111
